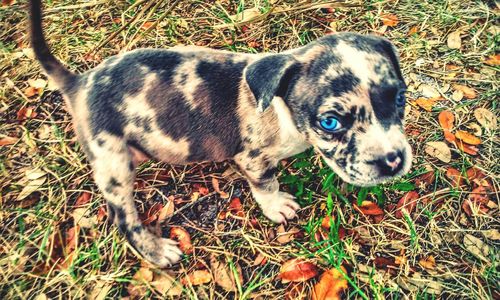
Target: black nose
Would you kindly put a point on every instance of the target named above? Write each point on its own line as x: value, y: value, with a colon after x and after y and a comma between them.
x: 390, y: 164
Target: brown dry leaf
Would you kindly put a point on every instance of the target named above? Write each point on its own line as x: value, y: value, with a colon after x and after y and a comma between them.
x: 8, y: 140
x: 30, y: 187
x: 235, y: 208
x: 447, y: 120
x: 147, y: 25
x: 30, y: 91
x: 7, y: 3
x: 182, y: 236
x: 469, y: 149
x: 215, y: 184
x: 455, y: 176
x: 259, y: 260
x: 426, y: 103
x: 454, y: 40
x: 286, y: 237
x: 428, y: 91
x: 151, y: 214
x: 331, y: 285
x: 166, y: 285
x: 476, y: 247
x: 81, y: 216
x: 389, y: 20
x: 408, y: 202
x: 438, y: 150
x: 26, y: 113
x: 486, y: 118
x: 37, y: 83
x: 468, y: 138
x: 167, y: 211
x: 197, y: 277
x: 425, y: 179
x: 493, y: 60
x: 325, y: 223
x: 369, y: 208
x: 428, y: 263
x: 223, y: 275
x: 297, y: 270
x: 469, y: 93
x: 492, y: 234
x: 83, y: 199
x: 413, y: 30
x: 137, y: 287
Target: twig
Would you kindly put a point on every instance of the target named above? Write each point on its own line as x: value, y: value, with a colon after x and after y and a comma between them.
x: 77, y: 6
x: 114, y: 34
x: 155, y: 23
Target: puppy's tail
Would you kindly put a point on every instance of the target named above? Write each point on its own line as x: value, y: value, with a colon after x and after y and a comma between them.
x: 54, y: 68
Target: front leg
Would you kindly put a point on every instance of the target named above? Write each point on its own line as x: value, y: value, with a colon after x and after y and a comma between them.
x: 261, y: 175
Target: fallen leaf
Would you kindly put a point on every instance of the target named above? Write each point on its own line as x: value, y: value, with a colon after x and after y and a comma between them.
x: 197, y: 277
x: 457, y: 96
x: 446, y: 120
x: 141, y: 278
x: 31, y: 91
x: 182, y: 236
x: 83, y: 199
x: 223, y: 275
x: 100, y: 290
x: 152, y: 213
x: 331, y: 285
x: 327, y: 221
x: 389, y: 20
x: 166, y: 285
x: 486, y: 118
x: 284, y: 237
x: 296, y: 291
x: 479, y: 195
x: 429, y: 91
x: 369, y: 208
x: 428, y: 263
x: 455, y: 176
x: 37, y: 83
x: 167, y: 211
x: 407, y: 203
x: 259, y: 260
x: 438, y: 150
x: 235, y: 207
x: 474, y: 173
x: 492, y: 234
x: 454, y: 40
x: 27, y: 112
x: 493, y: 60
x: 426, y: 103
x: 297, y: 270
x: 8, y: 140
x: 425, y: 179
x: 81, y: 217
x: 476, y: 247
x: 30, y: 187
x: 469, y: 149
x: 147, y: 25
x: 413, y: 30
x: 469, y: 93
x: 215, y: 184
x: 468, y: 138
x: 383, y: 262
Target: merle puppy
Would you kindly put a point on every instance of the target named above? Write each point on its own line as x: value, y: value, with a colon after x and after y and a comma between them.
x: 343, y: 95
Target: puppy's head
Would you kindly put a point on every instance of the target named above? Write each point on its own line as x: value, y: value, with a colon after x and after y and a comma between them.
x: 346, y: 95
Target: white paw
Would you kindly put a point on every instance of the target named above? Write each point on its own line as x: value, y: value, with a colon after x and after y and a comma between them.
x: 278, y: 207
x: 159, y: 251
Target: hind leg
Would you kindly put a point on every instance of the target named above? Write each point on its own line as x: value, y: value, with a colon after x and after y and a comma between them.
x: 114, y: 174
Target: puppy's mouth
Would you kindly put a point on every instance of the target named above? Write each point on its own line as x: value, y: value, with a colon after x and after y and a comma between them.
x: 373, y: 172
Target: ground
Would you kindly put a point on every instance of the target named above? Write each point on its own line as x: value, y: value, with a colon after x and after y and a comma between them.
x: 441, y: 240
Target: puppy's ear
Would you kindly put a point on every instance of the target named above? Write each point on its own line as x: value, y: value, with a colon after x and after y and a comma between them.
x: 271, y: 76
x: 391, y: 52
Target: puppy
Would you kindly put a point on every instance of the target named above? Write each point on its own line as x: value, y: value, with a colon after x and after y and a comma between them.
x: 342, y: 94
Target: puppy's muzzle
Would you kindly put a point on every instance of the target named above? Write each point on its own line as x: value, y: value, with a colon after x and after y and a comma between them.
x: 390, y: 164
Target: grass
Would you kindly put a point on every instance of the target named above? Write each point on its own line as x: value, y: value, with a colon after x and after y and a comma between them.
x: 39, y: 257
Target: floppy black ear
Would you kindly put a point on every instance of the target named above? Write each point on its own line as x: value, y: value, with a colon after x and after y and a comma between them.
x: 270, y: 76
x: 392, y: 53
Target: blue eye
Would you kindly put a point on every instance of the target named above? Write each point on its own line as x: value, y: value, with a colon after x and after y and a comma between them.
x: 400, y: 98
x: 330, y: 124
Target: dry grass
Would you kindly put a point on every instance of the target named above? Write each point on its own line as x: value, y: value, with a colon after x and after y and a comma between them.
x: 383, y: 259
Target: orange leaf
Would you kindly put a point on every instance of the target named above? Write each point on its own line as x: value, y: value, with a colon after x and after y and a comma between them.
x: 147, y: 25
x: 297, y: 270
x: 426, y: 178
x: 426, y: 103
x: 446, y: 119
x: 474, y: 173
x: 408, y: 202
x: 369, y: 208
x: 455, y: 176
x: 479, y: 195
x: 182, y: 236
x: 330, y: 286
x: 389, y: 20
x: 469, y: 149
x: 413, y: 30
x: 236, y: 208
x: 468, y: 138
x: 30, y: 91
x: 8, y: 140
x: 215, y: 184
x: 493, y: 60
x: 469, y: 93
x: 7, y: 2
x: 197, y: 277
x: 152, y: 214
x: 325, y: 223
x: 83, y: 199
x: 428, y: 263
x: 26, y: 113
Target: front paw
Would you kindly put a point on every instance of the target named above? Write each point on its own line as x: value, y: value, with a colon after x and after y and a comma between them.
x: 279, y: 207
x: 158, y: 251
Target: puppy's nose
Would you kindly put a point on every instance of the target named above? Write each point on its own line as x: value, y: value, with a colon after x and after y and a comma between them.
x: 390, y: 164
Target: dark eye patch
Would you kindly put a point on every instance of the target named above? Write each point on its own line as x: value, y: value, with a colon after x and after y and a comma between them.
x: 383, y: 103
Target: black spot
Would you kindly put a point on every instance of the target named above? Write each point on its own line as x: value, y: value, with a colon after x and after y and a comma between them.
x: 111, y: 185
x: 254, y: 153
x: 344, y: 83
x: 268, y: 174
x: 131, y: 166
x: 100, y: 142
